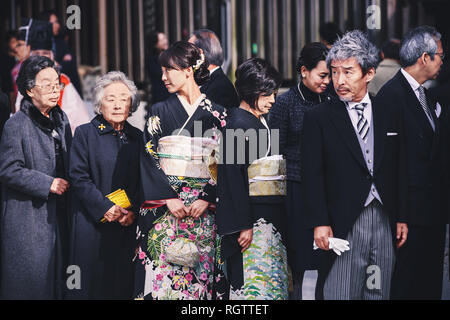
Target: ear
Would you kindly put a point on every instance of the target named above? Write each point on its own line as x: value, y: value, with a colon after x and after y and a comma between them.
x: 189, y: 72
x: 424, y: 58
x: 370, y: 74
x: 303, y: 71
x: 30, y: 93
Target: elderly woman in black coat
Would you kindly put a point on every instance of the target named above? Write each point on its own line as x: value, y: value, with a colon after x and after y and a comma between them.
x: 105, y: 158
x: 287, y: 116
x: 33, y: 172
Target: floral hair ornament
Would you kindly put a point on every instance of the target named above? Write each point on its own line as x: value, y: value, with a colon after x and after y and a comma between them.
x: 199, y: 62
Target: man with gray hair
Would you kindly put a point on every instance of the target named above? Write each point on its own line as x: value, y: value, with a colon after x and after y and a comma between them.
x: 218, y: 88
x: 419, y: 268
x: 354, y: 179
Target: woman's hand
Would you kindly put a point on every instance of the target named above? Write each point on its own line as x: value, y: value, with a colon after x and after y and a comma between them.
x: 127, y: 219
x: 177, y: 208
x: 197, y: 208
x: 115, y: 213
x: 59, y: 186
x: 245, y: 239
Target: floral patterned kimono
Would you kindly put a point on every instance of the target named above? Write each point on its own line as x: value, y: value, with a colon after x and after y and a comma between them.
x: 158, y: 229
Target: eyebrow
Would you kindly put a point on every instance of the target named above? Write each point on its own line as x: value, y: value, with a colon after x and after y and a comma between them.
x: 346, y: 68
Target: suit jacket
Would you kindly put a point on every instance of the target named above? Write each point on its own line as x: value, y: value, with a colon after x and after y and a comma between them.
x: 336, y: 179
x: 220, y: 90
x: 4, y: 110
x: 426, y: 153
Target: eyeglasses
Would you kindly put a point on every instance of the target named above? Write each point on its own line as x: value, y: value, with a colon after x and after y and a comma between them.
x: 49, y: 88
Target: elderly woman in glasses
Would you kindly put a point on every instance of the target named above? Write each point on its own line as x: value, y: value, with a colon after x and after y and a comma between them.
x: 33, y: 172
x: 105, y: 158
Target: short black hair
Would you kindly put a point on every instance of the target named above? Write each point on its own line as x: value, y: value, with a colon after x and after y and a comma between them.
x: 330, y: 32
x: 256, y: 77
x: 209, y: 42
x: 311, y: 55
x: 391, y: 49
x: 182, y: 55
x: 26, y: 79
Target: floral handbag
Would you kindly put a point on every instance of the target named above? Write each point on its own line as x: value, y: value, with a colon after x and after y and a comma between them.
x: 183, y: 252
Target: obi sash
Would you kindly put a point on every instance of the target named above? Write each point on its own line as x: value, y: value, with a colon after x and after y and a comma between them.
x: 267, y: 176
x: 184, y: 156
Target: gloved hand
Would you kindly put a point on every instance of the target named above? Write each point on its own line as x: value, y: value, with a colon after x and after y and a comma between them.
x: 336, y: 244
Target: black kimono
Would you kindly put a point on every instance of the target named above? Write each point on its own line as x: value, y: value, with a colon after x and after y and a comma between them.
x: 157, y: 278
x: 261, y: 271
x: 103, y: 161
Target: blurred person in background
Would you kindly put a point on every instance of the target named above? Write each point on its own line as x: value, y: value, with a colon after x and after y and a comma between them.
x: 329, y: 32
x: 218, y: 88
x: 8, y: 57
x: 388, y: 67
x: 157, y: 44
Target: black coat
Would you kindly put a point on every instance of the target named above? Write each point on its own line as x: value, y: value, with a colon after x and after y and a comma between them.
x: 100, y: 164
x: 32, y: 224
x: 427, y: 191
x: 4, y: 111
x: 220, y: 90
x: 336, y: 180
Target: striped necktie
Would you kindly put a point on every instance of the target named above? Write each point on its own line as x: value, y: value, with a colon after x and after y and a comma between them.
x: 424, y: 104
x: 363, y: 125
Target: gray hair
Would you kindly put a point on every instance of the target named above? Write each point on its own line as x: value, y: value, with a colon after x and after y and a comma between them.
x: 208, y: 41
x: 106, y: 80
x: 416, y: 42
x: 355, y: 44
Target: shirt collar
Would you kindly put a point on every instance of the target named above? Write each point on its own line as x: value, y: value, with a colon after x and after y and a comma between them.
x: 412, y: 82
x: 213, y: 70
x: 366, y: 99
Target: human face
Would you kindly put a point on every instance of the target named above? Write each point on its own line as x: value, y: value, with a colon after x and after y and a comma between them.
x: 175, y: 79
x: 12, y: 44
x: 45, y: 94
x: 348, y: 79
x: 162, y: 43
x: 116, y: 103
x: 433, y: 67
x: 56, y: 26
x: 43, y: 53
x: 316, y: 79
x: 264, y: 103
x: 22, y: 50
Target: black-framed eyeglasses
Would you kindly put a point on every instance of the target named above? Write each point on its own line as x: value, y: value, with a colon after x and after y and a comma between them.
x: 441, y: 55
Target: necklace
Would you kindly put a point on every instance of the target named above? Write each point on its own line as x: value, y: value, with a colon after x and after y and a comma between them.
x: 298, y: 86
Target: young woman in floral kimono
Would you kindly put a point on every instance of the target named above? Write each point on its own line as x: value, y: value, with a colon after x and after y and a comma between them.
x: 178, y: 214
x: 251, y: 213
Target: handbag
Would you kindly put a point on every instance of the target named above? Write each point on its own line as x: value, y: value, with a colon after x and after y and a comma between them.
x: 183, y: 252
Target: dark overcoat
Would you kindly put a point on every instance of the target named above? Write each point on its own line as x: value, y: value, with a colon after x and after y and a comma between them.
x: 32, y: 258
x: 100, y: 164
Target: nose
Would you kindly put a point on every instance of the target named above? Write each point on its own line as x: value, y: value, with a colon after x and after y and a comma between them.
x: 340, y: 78
x: 326, y: 80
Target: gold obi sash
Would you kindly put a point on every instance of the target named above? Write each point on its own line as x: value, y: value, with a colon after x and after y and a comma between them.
x: 184, y: 156
x: 267, y: 176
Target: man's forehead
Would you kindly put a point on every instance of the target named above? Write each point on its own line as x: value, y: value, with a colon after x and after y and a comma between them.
x: 346, y: 64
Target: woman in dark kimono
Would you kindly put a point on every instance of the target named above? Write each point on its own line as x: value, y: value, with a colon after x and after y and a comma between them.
x: 286, y: 115
x: 178, y: 203
x: 34, y: 158
x: 105, y: 158
x: 250, y: 211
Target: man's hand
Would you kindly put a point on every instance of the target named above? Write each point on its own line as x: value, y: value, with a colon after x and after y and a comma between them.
x: 197, y: 208
x: 245, y: 239
x: 402, y: 234
x: 115, y: 213
x: 177, y: 208
x: 59, y: 186
x: 127, y: 219
x: 321, y: 235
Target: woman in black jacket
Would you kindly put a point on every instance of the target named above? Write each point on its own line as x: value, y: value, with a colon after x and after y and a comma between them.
x: 287, y: 116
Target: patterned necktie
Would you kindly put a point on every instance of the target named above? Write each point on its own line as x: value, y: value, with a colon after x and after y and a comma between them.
x: 423, y: 103
x: 363, y: 125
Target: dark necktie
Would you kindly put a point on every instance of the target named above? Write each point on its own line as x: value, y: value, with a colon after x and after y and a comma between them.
x: 424, y: 104
x: 362, y: 125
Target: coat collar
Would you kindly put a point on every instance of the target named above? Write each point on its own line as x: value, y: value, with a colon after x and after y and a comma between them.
x: 104, y: 127
x: 55, y: 119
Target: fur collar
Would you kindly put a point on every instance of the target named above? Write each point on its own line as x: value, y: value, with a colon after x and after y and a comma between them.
x: 45, y: 124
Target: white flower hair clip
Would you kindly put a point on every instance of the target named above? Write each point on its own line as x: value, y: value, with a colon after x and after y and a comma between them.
x: 199, y: 62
